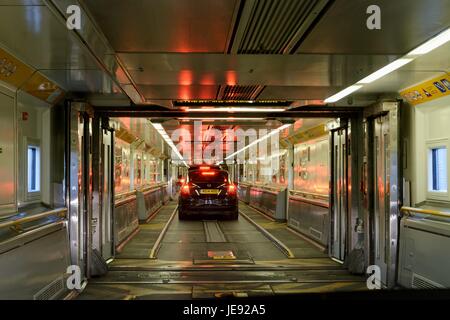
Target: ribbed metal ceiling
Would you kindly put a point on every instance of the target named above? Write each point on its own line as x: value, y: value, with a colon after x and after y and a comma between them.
x: 273, y: 24
x: 240, y: 92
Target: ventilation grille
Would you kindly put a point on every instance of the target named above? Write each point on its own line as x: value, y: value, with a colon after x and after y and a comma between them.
x: 315, y: 233
x: 274, y: 24
x: 51, y: 291
x: 240, y: 92
x: 419, y: 282
x: 294, y: 222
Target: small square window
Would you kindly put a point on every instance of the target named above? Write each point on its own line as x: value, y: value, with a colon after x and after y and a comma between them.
x: 438, y: 169
x: 34, y: 169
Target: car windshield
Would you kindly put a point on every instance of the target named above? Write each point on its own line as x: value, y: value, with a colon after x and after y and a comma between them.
x: 214, y: 176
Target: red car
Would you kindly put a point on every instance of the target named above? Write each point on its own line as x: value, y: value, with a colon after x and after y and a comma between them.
x: 208, y: 193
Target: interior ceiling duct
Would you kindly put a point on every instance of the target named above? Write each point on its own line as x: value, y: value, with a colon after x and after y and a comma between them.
x: 240, y: 92
x: 276, y: 26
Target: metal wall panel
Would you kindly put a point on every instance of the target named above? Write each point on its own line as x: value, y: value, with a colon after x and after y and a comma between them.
x: 125, y: 219
x: 78, y: 184
x: 310, y: 217
x: 381, y: 176
x: 149, y: 201
x: 244, y: 193
x: 311, y: 166
x: 424, y: 261
x: 339, y: 200
x: 382, y: 188
x: 42, y: 261
x: 272, y: 203
x: 107, y: 194
x: 7, y: 155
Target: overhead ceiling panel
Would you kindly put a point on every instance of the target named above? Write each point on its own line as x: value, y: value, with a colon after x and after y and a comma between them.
x: 436, y: 60
x: 251, y: 70
x: 35, y: 36
x: 165, y: 25
x: 188, y: 92
x: 420, y: 69
x: 398, y: 80
x: 297, y: 92
x: 404, y: 25
x: 93, y: 81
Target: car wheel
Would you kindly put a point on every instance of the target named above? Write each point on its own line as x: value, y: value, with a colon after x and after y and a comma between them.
x: 181, y: 215
x: 234, y: 215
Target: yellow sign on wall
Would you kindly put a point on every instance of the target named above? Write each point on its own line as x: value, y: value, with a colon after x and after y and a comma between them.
x: 429, y: 90
x: 17, y: 74
x: 12, y: 70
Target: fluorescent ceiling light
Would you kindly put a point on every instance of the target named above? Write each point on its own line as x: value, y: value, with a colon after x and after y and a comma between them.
x: 236, y: 109
x: 385, y: 70
x: 432, y: 44
x: 227, y: 118
x: 428, y: 46
x: 341, y: 94
x: 259, y: 140
x: 169, y: 141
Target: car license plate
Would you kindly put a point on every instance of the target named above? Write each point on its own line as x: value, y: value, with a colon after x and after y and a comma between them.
x: 209, y: 191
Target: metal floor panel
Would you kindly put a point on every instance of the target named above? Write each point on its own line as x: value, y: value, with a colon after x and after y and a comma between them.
x: 140, y: 246
x: 205, y: 291
x: 218, y: 284
x: 184, y: 237
x: 299, y: 247
x: 248, y: 237
x: 152, y: 265
x: 213, y: 232
x: 184, y: 269
x: 143, y: 291
x: 228, y: 276
x: 183, y: 240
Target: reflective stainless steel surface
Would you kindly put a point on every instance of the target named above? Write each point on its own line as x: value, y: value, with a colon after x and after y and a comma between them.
x: 44, y: 256
x: 7, y: 155
x: 339, y: 192
x: 343, y: 27
x: 383, y: 190
x: 183, y: 26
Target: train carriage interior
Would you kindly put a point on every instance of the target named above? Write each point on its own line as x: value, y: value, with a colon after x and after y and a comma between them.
x: 192, y: 149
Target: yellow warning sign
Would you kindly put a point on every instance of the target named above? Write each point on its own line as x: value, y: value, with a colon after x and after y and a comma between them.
x: 16, y: 73
x: 42, y: 88
x: 13, y: 71
x: 221, y: 255
x: 429, y: 90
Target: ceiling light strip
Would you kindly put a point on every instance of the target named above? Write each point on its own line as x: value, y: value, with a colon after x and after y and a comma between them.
x: 259, y: 140
x: 385, y: 70
x: 431, y: 44
x: 223, y: 119
x: 341, y: 94
x: 235, y: 109
x: 169, y: 141
x: 424, y: 48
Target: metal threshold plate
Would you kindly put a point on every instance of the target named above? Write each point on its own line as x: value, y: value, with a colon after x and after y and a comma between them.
x: 207, y: 291
x: 221, y: 257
